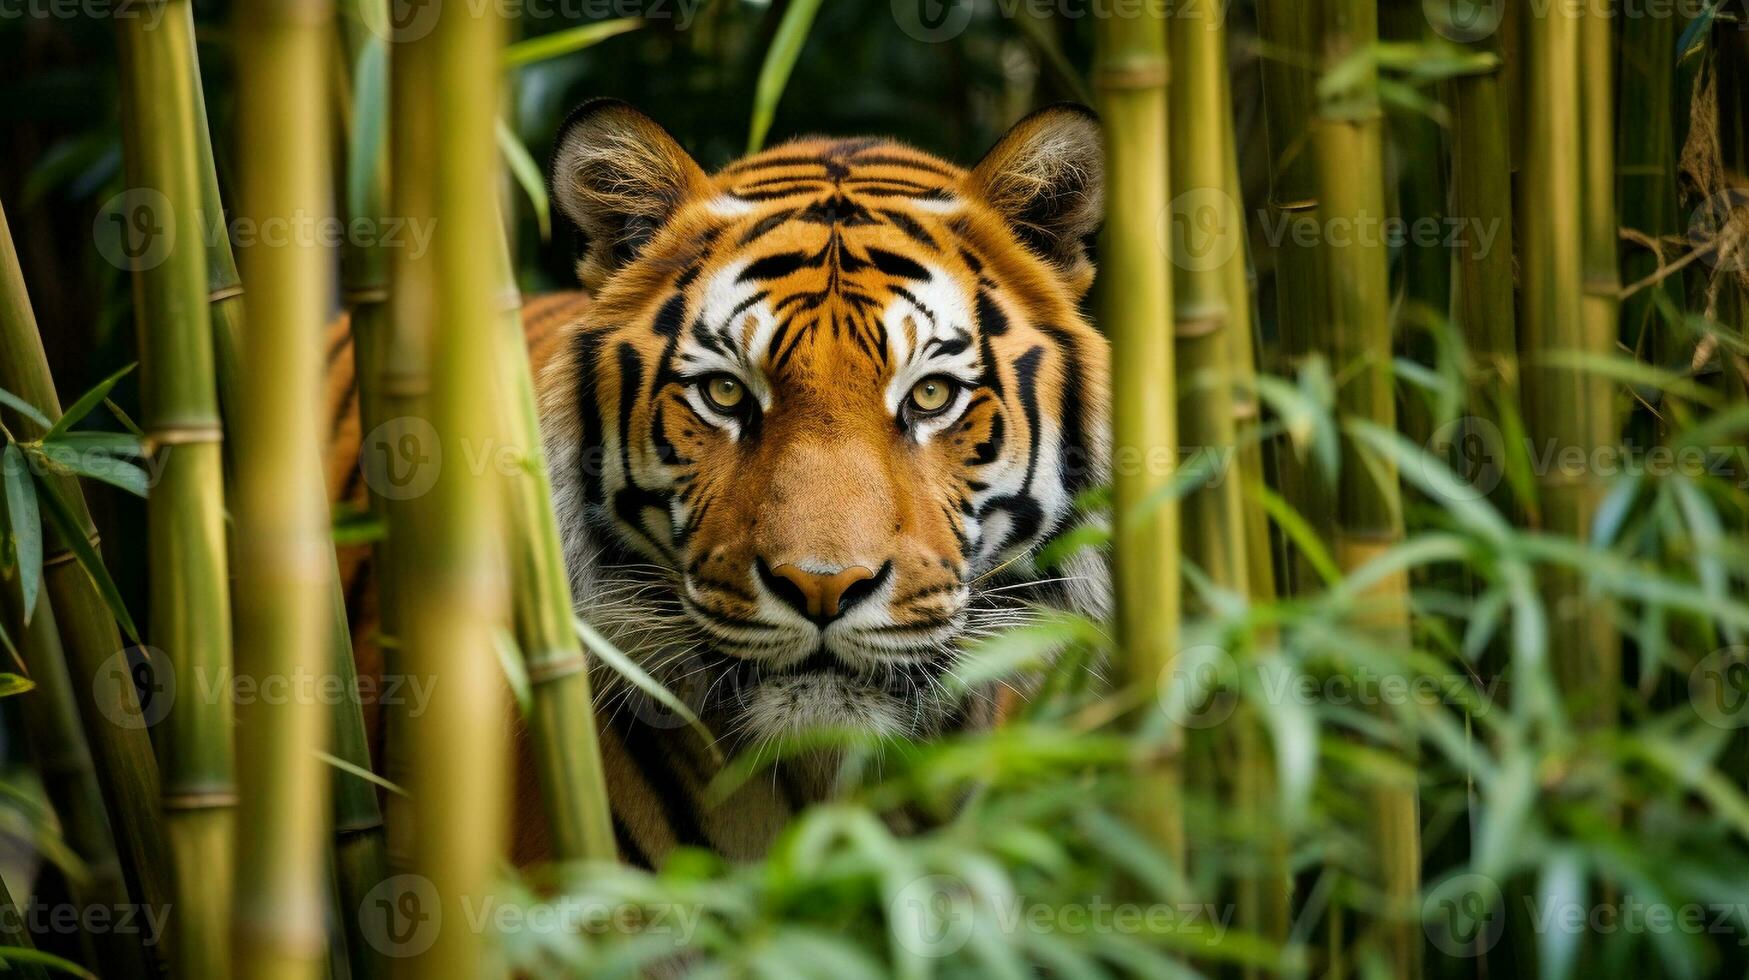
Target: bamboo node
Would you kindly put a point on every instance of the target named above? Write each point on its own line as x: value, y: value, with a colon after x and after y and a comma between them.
x: 65, y: 555
x: 543, y: 669
x: 359, y: 295
x: 207, y: 799
x: 185, y: 435
x: 221, y: 293
x: 1194, y: 325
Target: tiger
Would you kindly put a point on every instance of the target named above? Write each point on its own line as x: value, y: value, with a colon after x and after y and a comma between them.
x: 807, y: 424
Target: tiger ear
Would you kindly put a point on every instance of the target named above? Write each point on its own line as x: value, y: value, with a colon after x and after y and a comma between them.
x: 618, y: 176
x: 1046, y: 176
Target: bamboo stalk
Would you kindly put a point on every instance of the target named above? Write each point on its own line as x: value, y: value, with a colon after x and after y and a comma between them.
x: 1266, y: 897
x: 1288, y: 32
x: 456, y: 597
x: 1483, y: 305
x: 51, y: 713
x: 394, y: 358
x: 1564, y: 408
x: 360, y: 859
x: 1130, y: 75
x: 285, y: 561
x: 1645, y: 149
x: 1213, y: 528
x: 188, y: 568
x: 1347, y: 139
x: 358, y: 819
x: 561, y: 718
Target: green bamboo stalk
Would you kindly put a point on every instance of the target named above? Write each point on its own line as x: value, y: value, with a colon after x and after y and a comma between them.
x: 561, y: 718
x: 1288, y: 31
x: 188, y: 569
x: 285, y: 561
x: 360, y: 860
x: 1565, y: 408
x: 394, y: 360
x: 51, y: 712
x: 1483, y: 305
x: 1647, y: 185
x: 358, y: 819
x: 1212, y: 522
x: 456, y: 596
x: 1348, y: 142
x: 1130, y: 75
x: 1266, y: 897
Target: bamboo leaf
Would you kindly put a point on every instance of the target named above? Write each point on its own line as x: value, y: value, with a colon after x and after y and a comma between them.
x: 1298, y: 531
x: 360, y: 772
x: 11, y: 684
x: 569, y: 41
x: 786, y: 47
x: 528, y: 176
x: 353, y: 526
x: 97, y: 466
x: 113, y: 443
x: 515, y: 670
x: 24, y: 408
x: 24, y: 954
x: 1561, y: 886
x: 61, y: 518
x: 622, y: 665
x: 27, y: 528
x: 88, y: 401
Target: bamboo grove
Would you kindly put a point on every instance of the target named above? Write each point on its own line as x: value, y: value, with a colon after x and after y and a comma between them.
x: 1428, y: 630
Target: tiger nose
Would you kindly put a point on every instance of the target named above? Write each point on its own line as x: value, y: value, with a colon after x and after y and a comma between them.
x: 821, y: 597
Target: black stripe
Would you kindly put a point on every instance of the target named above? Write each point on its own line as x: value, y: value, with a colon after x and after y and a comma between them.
x: 773, y: 267
x: 642, y: 743
x: 894, y: 264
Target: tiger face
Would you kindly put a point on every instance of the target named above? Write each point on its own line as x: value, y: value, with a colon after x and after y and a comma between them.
x: 825, y: 405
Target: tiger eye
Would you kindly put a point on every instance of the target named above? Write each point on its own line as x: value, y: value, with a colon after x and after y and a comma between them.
x: 931, y: 395
x: 724, y: 392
